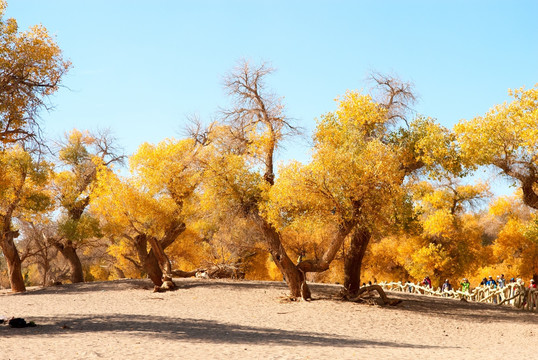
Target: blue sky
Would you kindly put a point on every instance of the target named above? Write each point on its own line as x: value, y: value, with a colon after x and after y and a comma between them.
x: 139, y: 67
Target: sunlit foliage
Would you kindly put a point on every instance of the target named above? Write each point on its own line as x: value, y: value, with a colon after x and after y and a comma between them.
x: 31, y: 68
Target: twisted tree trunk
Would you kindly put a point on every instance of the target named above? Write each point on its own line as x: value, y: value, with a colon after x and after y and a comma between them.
x: 13, y: 260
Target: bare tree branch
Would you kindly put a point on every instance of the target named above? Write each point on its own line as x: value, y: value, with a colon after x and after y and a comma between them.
x: 394, y: 95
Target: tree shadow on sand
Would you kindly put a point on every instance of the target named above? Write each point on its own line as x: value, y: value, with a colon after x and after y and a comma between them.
x: 192, y: 330
x: 467, y: 311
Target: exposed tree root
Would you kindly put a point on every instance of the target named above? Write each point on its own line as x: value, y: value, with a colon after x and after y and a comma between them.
x: 364, y: 295
x: 289, y: 298
x: 167, y: 284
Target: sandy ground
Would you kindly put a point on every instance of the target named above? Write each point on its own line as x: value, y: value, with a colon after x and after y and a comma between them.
x: 216, y: 319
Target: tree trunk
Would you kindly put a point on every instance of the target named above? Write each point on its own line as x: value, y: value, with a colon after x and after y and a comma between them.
x: 156, y: 263
x: 45, y: 266
x: 13, y: 261
x: 162, y: 258
x: 151, y: 265
x: 69, y: 252
x: 148, y: 260
x: 528, y: 185
x: 294, y: 277
x: 353, y: 262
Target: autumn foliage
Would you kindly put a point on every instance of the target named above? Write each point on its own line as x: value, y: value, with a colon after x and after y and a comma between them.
x: 383, y: 196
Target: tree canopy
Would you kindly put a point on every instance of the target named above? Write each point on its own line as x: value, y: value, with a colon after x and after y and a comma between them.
x: 383, y: 196
x: 31, y: 69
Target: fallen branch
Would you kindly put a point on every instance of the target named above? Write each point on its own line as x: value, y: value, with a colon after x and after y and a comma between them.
x: 185, y: 274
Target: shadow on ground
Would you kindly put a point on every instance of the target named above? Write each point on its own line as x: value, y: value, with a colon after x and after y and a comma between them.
x: 451, y: 308
x: 192, y: 330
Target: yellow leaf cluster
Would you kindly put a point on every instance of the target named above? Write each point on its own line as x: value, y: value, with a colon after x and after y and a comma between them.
x: 35, y: 66
x: 23, y: 183
x: 507, y: 135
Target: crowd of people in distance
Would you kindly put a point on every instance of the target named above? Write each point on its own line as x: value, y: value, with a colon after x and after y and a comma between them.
x: 489, y: 282
x: 500, y: 282
x: 466, y: 285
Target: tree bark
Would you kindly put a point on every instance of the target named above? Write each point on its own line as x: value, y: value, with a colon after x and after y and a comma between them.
x: 162, y: 259
x: 13, y: 261
x: 151, y: 265
x: 45, y: 266
x: 69, y: 252
x: 294, y: 277
x: 158, y: 256
x: 530, y: 197
x: 353, y: 262
x: 156, y: 263
x: 148, y: 260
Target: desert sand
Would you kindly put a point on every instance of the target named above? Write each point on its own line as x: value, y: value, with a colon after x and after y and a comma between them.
x: 224, y: 319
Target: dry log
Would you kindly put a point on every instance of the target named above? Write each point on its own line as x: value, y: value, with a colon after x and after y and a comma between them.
x: 186, y: 274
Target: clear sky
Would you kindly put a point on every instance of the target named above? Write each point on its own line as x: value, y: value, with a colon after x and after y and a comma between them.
x: 139, y: 67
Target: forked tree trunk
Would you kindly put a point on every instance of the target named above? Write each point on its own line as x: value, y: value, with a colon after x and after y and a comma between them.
x: 69, y: 252
x: 156, y: 263
x: 295, y: 275
x: 353, y: 262
x: 13, y: 261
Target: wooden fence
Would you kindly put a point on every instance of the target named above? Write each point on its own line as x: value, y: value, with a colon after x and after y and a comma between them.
x: 513, y: 294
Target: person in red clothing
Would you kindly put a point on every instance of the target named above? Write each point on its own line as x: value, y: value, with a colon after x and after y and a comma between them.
x: 427, y: 282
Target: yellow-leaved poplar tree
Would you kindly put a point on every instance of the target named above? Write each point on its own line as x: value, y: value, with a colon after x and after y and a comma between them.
x: 23, y: 195
x: 150, y: 208
x: 31, y: 69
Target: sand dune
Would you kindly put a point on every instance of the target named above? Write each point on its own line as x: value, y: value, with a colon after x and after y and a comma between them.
x: 219, y: 319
